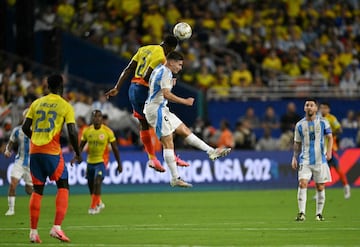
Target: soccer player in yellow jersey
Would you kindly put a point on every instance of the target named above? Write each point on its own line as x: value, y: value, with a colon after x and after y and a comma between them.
x: 334, y: 161
x: 98, y: 136
x: 43, y: 124
x: 146, y: 59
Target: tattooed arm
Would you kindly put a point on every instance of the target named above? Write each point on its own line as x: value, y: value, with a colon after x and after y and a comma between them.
x: 297, y: 150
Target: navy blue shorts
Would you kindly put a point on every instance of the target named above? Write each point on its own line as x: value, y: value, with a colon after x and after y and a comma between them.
x: 137, y: 96
x: 47, y: 165
x: 94, y: 170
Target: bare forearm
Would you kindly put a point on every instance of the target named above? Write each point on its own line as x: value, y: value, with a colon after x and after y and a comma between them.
x: 116, y: 152
x: 297, y: 149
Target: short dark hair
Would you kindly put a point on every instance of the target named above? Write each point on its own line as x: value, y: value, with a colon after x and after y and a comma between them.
x: 311, y: 99
x: 170, y: 41
x: 55, y: 82
x: 325, y: 103
x: 93, y: 113
x: 174, y: 55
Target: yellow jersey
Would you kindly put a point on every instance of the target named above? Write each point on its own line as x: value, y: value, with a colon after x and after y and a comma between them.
x: 335, y: 127
x: 98, y: 140
x: 147, y: 56
x: 48, y: 115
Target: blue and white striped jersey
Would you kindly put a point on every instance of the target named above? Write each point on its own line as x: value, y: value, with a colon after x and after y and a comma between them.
x: 18, y: 136
x: 160, y: 78
x: 312, y: 134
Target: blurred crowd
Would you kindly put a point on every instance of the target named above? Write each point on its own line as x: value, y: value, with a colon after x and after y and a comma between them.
x: 267, y: 131
x: 243, y: 43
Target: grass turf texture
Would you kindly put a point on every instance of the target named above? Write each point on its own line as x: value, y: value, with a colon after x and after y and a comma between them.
x: 188, y: 218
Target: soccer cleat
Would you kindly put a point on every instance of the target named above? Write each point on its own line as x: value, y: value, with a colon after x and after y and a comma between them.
x: 300, y: 217
x: 59, y: 234
x: 101, y: 205
x: 218, y: 152
x: 179, y: 183
x: 180, y: 162
x: 93, y: 211
x: 347, y: 192
x: 156, y: 165
x: 9, y: 212
x: 319, y: 217
x: 35, y: 238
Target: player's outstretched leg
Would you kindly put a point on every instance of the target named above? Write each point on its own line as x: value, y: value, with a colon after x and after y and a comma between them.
x: 218, y: 152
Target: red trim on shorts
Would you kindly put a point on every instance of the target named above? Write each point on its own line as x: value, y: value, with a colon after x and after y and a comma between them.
x: 140, y: 80
x: 36, y: 181
x: 59, y: 170
x: 138, y: 115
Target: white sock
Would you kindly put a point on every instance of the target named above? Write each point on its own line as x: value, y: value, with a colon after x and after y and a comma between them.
x: 320, y: 201
x: 301, y: 196
x: 33, y: 231
x: 57, y: 227
x: 170, y: 161
x: 11, y: 202
x: 195, y: 141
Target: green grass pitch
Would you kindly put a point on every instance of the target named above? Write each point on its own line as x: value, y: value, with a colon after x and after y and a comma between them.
x: 192, y: 218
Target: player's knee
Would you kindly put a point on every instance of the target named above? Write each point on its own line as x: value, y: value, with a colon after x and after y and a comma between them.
x: 98, y: 180
x: 302, y: 184
x: 39, y: 189
x: 62, y: 183
x: 28, y: 189
x: 320, y: 187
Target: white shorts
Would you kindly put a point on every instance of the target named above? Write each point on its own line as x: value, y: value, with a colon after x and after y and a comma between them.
x: 320, y: 172
x: 162, y: 120
x: 19, y: 171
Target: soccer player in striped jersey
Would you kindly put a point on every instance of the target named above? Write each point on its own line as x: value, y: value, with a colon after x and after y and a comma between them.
x: 43, y: 125
x: 312, y: 149
x: 165, y: 122
x: 98, y: 136
x: 140, y: 67
x: 21, y: 167
x: 336, y: 130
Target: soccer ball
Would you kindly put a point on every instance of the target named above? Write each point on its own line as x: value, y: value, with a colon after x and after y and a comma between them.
x: 182, y: 31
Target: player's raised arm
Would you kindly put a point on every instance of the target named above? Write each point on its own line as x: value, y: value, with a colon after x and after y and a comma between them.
x: 129, y: 70
x: 176, y: 99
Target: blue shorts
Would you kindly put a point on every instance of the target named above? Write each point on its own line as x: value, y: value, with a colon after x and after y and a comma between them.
x: 47, y: 165
x: 94, y: 170
x: 137, y: 96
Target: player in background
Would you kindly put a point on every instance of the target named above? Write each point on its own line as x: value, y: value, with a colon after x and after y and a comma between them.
x: 336, y: 130
x: 140, y: 67
x: 165, y: 122
x: 309, y: 147
x: 21, y: 167
x: 43, y: 125
x: 98, y: 136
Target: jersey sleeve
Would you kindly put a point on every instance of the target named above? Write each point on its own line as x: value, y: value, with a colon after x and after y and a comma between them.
x: 327, y: 128
x: 158, y: 57
x: 297, y: 133
x: 111, y: 136
x: 70, y: 115
x: 84, y: 134
x: 136, y: 56
x: 166, y: 80
x: 14, y: 134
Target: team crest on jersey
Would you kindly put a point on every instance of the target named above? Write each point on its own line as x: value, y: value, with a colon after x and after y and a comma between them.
x: 311, y: 128
x: 101, y: 136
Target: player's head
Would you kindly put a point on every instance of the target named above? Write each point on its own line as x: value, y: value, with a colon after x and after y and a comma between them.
x: 96, y: 118
x: 324, y: 108
x: 55, y: 84
x: 175, y: 61
x: 310, y: 107
x: 169, y: 44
